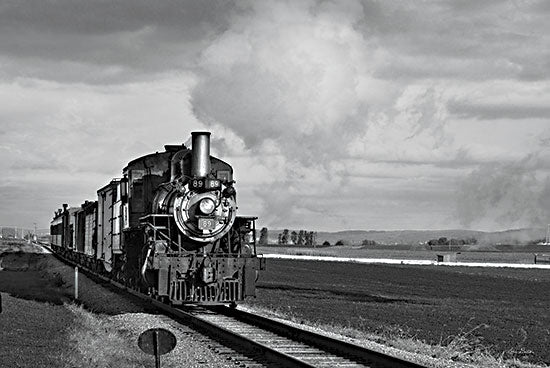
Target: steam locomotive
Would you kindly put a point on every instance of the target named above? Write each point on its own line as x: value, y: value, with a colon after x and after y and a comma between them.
x: 168, y: 227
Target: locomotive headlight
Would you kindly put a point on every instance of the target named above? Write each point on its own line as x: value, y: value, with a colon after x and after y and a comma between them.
x: 207, y: 206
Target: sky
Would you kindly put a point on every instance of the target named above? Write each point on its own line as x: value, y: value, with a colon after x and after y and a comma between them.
x: 351, y: 114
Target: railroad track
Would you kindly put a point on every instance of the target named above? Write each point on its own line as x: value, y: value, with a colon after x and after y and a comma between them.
x: 292, y: 346
x: 266, y: 341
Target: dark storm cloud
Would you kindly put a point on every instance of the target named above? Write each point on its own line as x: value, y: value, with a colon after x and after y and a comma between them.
x: 470, y: 40
x: 105, y: 16
x: 113, y: 42
x: 104, y: 41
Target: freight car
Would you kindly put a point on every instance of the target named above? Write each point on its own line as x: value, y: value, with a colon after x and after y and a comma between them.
x: 168, y: 227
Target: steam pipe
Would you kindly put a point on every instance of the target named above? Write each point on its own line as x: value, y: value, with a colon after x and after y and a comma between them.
x: 200, y: 158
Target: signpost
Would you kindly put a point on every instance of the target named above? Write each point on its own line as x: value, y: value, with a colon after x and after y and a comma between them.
x: 76, y: 282
x: 157, y: 342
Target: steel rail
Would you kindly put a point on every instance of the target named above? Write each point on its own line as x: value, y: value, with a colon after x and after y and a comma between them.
x: 332, y: 351
x: 335, y: 346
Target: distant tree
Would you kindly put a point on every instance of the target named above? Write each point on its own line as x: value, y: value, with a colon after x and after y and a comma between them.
x: 301, y: 238
x: 280, y: 239
x: 294, y: 237
x: 311, y: 238
x: 368, y: 242
x: 263, y: 236
x: 326, y: 243
x: 339, y: 242
x: 285, y: 237
x: 442, y: 241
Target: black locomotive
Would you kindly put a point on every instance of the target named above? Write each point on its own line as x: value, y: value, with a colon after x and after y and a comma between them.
x: 168, y: 227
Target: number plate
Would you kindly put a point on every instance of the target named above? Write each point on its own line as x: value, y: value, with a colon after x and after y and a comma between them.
x: 207, y: 223
x: 205, y: 184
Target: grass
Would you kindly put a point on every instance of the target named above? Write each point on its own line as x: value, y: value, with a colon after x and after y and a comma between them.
x: 39, y: 313
x: 96, y: 344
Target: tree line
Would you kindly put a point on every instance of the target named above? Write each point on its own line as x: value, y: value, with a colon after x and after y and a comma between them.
x: 452, y: 241
x: 287, y: 237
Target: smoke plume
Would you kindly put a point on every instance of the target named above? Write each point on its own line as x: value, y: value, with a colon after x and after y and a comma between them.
x: 294, y: 82
x: 285, y: 77
x: 513, y: 195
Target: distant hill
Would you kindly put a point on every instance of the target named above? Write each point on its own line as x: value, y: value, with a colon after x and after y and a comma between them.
x: 411, y: 237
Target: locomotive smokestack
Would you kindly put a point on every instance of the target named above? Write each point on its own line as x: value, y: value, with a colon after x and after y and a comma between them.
x: 200, y: 159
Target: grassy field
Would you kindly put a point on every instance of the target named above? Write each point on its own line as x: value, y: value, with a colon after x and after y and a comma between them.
x: 34, y: 321
x: 502, y: 312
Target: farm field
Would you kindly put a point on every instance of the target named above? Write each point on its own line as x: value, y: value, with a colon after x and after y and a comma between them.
x: 522, y: 255
x: 505, y: 311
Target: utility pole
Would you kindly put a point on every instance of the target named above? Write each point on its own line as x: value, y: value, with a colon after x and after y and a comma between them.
x: 35, y: 237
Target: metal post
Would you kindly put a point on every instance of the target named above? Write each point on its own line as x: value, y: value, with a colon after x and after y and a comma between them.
x: 156, y: 348
x: 76, y: 282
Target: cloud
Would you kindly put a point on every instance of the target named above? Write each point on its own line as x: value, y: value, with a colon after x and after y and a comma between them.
x: 496, y: 111
x: 501, y: 100
x: 480, y: 41
x: 511, y: 195
x: 293, y: 81
x: 104, y: 42
x: 62, y: 142
x: 287, y: 79
x: 288, y: 75
x: 104, y: 17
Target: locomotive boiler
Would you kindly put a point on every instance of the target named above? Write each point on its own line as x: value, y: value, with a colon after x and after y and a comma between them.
x: 168, y: 227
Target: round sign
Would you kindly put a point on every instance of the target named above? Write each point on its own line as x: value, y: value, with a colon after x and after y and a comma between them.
x: 157, y: 341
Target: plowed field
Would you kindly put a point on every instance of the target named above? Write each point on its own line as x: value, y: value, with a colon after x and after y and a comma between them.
x: 507, y: 311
